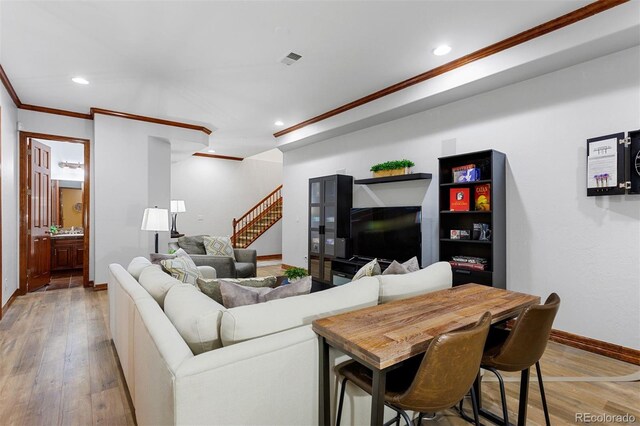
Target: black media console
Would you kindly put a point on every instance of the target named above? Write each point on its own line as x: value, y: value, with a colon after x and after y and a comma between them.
x: 342, y: 270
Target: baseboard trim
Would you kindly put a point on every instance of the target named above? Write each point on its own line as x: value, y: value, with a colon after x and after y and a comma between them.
x: 12, y: 299
x: 99, y: 287
x: 610, y: 350
x: 270, y: 257
x: 285, y: 266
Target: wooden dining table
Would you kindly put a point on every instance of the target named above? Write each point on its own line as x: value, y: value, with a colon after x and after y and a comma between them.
x: 382, y: 337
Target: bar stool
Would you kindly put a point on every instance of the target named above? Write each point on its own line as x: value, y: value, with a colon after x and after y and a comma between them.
x: 444, y: 375
x: 518, y: 350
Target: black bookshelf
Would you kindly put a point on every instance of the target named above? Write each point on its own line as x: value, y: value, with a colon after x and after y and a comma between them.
x: 492, y: 172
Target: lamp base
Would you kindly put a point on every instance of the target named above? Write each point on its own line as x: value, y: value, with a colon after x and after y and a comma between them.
x: 176, y: 234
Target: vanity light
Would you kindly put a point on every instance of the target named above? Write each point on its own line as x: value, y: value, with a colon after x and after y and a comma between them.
x: 442, y: 50
x: 68, y: 165
x: 80, y: 80
x: 279, y: 123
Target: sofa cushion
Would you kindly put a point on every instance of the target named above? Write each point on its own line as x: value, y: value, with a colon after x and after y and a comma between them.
x: 245, y: 270
x: 137, y: 265
x: 218, y: 246
x: 195, y: 316
x: 369, y: 270
x: 211, y: 287
x: 434, y: 277
x: 157, y: 282
x: 234, y: 295
x: 182, y: 268
x: 193, y: 244
x: 251, y: 321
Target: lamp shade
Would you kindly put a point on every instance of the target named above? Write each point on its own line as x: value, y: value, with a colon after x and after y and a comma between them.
x: 155, y: 219
x: 177, y: 206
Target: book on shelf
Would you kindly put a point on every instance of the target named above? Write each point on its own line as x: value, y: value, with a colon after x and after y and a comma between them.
x: 466, y: 173
x: 459, y: 199
x: 483, y: 197
x: 469, y: 259
x: 471, y: 266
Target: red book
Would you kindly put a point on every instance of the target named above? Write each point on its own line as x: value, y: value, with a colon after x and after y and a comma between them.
x: 483, y: 197
x: 459, y: 200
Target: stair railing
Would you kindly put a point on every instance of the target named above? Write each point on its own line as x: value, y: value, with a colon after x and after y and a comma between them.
x: 253, y: 215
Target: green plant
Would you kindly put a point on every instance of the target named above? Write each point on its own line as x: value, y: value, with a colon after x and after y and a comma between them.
x: 171, y: 251
x: 392, y: 165
x: 53, y: 229
x: 295, y: 273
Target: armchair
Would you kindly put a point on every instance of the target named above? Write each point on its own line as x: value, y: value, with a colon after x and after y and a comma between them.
x: 244, y: 265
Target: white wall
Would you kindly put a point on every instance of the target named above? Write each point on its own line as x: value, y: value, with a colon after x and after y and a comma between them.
x: 132, y: 173
x: 66, y: 152
x: 9, y: 195
x: 586, y: 249
x: 215, y: 191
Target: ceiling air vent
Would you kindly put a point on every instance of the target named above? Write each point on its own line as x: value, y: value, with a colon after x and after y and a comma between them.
x: 291, y: 58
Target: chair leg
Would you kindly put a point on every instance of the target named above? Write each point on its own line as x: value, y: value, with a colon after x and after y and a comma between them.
x: 524, y: 397
x: 406, y: 418
x: 503, y: 394
x: 344, y: 385
x: 544, y: 399
x: 474, y: 403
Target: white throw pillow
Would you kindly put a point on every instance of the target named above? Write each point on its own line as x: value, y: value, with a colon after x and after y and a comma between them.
x: 369, y: 270
x: 218, y: 246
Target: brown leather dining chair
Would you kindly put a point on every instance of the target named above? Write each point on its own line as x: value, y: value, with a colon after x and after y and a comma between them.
x: 443, y: 376
x: 518, y: 350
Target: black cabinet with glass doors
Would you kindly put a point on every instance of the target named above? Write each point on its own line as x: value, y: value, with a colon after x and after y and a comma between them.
x: 330, y: 200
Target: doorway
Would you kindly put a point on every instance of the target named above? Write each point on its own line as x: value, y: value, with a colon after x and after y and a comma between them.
x: 54, y: 210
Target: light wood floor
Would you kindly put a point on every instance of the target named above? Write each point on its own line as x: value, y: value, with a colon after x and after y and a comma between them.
x: 58, y: 366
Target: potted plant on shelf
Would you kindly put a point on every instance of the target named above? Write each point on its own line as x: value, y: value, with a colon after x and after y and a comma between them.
x: 392, y: 168
x: 294, y: 274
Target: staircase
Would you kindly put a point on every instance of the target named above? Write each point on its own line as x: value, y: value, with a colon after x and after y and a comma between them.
x: 257, y: 220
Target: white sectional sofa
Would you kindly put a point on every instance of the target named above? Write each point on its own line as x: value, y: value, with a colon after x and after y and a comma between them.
x: 189, y: 361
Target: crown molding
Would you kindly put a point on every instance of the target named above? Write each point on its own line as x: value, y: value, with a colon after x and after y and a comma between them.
x: 37, y: 108
x: 520, y: 38
x: 220, y: 157
x: 129, y: 116
x: 7, y: 85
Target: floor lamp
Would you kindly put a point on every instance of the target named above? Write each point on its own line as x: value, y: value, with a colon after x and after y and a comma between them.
x: 157, y: 220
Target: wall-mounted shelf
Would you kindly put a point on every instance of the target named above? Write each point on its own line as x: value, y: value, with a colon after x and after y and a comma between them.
x: 387, y: 179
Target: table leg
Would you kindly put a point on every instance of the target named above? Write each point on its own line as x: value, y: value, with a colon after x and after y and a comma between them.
x: 377, y: 397
x: 324, y: 391
x: 524, y: 398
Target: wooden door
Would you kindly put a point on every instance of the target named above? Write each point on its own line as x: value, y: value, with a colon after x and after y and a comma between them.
x: 39, y: 239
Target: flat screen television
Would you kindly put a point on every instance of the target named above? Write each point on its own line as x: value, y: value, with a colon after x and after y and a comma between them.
x: 389, y: 233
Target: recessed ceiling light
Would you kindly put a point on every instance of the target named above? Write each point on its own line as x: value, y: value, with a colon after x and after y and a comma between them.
x: 211, y: 150
x: 279, y: 123
x: 442, y: 50
x: 80, y: 80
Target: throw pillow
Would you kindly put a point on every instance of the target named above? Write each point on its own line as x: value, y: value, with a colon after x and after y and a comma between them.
x: 211, y: 287
x: 218, y: 246
x: 395, y: 269
x: 370, y: 269
x: 182, y: 268
x: 234, y: 295
x: 412, y: 264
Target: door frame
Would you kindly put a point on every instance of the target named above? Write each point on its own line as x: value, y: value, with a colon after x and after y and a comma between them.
x: 24, y: 203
